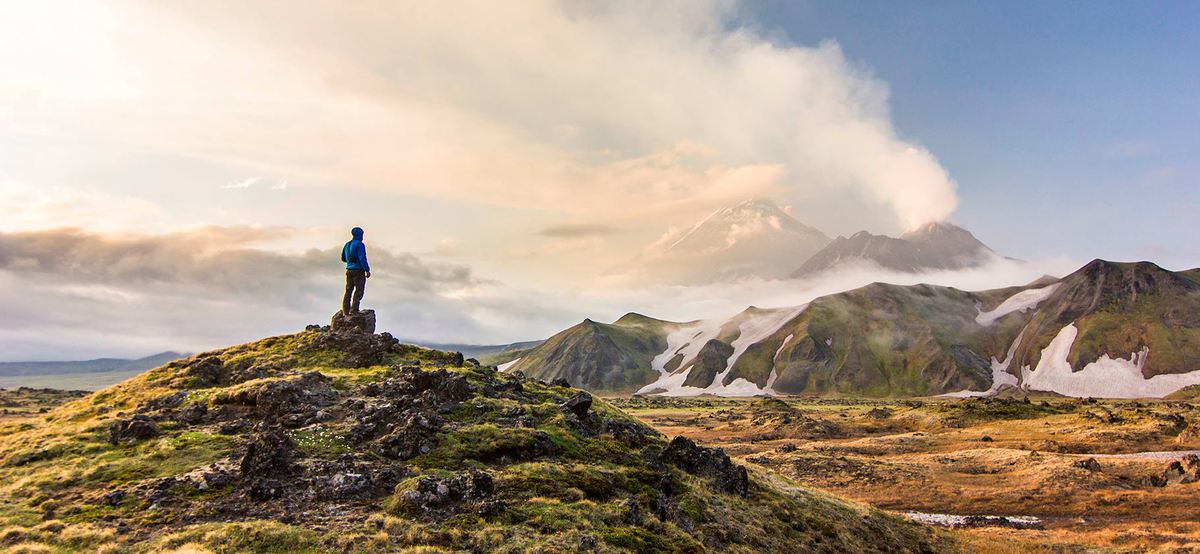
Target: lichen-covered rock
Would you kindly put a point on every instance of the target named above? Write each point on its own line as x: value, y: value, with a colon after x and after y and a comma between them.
x: 358, y: 347
x: 441, y: 497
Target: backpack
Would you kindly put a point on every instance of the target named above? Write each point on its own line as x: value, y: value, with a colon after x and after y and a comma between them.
x: 348, y: 254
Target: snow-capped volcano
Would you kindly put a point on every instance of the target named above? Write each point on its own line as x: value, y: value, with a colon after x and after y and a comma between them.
x: 755, y: 238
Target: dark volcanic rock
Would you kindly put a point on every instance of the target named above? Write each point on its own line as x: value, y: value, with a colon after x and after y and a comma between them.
x: 269, y: 453
x: 685, y: 454
x: 1186, y: 470
x: 358, y: 347
x: 441, y: 497
x: 416, y: 434
x: 997, y: 521
x: 360, y: 322
x: 208, y: 371
x: 1089, y: 464
x: 167, y: 401
x: 578, y: 404
x: 138, y: 428
x: 307, y: 393
x: 193, y: 413
x: 879, y: 413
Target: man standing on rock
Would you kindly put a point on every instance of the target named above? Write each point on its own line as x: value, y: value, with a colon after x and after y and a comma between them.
x: 354, y: 253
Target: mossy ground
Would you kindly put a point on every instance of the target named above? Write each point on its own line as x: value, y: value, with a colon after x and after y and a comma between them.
x: 588, y: 490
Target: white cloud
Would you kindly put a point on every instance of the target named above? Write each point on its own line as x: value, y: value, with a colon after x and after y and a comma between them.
x: 615, y: 110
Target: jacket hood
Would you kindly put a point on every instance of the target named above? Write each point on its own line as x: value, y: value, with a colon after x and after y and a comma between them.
x: 357, y: 233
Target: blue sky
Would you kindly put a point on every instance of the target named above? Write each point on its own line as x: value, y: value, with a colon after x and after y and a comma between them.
x: 1070, y: 127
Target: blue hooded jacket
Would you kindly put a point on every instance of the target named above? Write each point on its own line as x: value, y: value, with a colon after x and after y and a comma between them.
x: 354, y: 253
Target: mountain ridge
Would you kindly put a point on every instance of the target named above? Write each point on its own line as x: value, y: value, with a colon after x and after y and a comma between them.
x: 1135, y: 324
x: 934, y: 246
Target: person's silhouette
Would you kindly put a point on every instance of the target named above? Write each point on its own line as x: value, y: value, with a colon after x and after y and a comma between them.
x: 354, y: 253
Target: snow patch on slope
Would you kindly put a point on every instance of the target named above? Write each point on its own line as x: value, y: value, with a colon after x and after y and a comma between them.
x: 1106, y: 377
x: 1000, y: 374
x: 1019, y: 302
x: 752, y: 331
x: 770, y: 386
x: 689, y: 340
x: 507, y: 365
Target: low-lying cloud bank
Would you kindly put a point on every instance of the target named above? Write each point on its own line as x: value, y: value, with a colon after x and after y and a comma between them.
x: 73, y: 294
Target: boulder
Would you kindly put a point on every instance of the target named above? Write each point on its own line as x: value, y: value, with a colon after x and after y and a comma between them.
x: 416, y: 434
x: 879, y: 413
x: 685, y: 454
x: 350, y: 485
x: 354, y: 322
x: 578, y: 405
x: 305, y: 394
x: 138, y: 428
x: 442, y: 497
x: 269, y: 453
x: 1089, y: 464
x: 193, y: 413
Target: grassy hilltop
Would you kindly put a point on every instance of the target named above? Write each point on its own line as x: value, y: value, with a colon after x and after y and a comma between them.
x: 334, y: 440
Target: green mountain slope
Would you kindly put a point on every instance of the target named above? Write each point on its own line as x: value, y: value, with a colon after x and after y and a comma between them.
x: 601, y: 357
x: 878, y: 340
x: 1121, y: 308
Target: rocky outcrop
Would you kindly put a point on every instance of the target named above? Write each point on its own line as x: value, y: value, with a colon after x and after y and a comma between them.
x: 685, y: 454
x: 138, y: 428
x: 354, y: 322
x: 269, y: 453
x: 438, y: 498
x: 711, y: 360
x: 1183, y: 471
x: 578, y: 405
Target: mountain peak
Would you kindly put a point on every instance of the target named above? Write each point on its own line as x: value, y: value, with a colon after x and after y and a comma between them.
x: 754, y: 238
x: 937, y: 230
x: 936, y: 245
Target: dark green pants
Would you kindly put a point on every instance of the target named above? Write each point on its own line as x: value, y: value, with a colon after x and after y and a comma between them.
x: 356, y: 281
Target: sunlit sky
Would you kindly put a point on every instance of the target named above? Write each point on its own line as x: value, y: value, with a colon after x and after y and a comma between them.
x: 179, y: 176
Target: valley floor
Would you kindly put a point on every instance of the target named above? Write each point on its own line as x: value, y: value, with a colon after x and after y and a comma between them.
x: 1092, y: 473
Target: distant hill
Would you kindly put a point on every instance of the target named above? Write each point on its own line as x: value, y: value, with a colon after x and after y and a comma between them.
x: 932, y: 247
x: 99, y: 365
